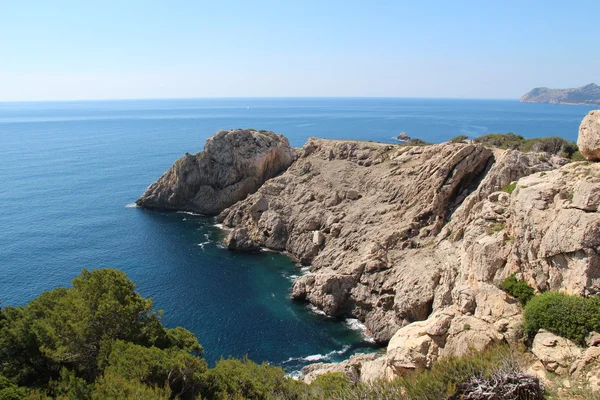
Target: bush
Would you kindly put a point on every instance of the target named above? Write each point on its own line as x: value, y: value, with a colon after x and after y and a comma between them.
x: 577, y: 156
x: 244, y: 379
x: 519, y: 289
x: 459, y: 139
x: 571, y: 317
x: 553, y: 144
x: 451, y: 378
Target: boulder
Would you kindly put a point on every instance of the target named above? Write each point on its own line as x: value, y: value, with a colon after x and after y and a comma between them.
x: 233, y: 165
x: 589, y: 136
x: 555, y: 353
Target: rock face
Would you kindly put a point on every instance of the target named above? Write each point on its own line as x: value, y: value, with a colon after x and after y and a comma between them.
x: 233, y: 164
x: 414, y: 240
x: 589, y: 136
x: 588, y: 94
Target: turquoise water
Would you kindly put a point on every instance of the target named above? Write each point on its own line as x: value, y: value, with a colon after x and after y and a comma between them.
x: 68, y: 170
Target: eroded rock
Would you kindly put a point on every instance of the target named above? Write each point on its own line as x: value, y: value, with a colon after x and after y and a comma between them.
x: 588, y: 140
x: 233, y: 165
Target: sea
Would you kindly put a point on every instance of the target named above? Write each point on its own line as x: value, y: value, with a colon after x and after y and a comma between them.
x: 70, y: 173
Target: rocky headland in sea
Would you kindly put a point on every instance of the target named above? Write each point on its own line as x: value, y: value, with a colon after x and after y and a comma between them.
x: 412, y: 240
x: 586, y: 95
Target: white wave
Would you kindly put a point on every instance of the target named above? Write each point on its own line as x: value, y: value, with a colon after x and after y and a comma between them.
x: 355, y: 325
x: 295, y: 375
x: 318, y: 357
x: 221, y: 246
x: 131, y: 205
x: 293, y: 277
x: 190, y: 213
x: 267, y: 250
x: 317, y: 311
x: 305, y: 270
x: 222, y: 227
x: 201, y: 245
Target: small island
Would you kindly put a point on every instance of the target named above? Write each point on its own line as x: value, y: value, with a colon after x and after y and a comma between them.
x: 588, y: 94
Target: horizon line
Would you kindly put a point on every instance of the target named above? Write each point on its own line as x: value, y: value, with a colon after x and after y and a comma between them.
x: 254, y: 97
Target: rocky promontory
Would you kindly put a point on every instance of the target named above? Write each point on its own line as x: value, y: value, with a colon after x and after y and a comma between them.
x: 233, y: 164
x: 416, y: 240
x: 588, y: 94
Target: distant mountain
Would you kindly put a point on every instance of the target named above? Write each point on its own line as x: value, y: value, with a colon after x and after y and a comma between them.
x: 588, y: 94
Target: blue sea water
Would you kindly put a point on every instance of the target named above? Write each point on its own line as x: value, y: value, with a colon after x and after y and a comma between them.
x: 69, y: 170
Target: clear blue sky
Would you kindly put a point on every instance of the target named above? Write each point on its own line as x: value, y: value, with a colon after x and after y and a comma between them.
x: 159, y: 49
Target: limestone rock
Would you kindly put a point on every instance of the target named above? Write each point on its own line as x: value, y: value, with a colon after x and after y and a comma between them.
x: 555, y: 353
x: 238, y: 239
x: 364, y: 216
x: 589, y: 136
x: 352, y: 368
x: 233, y: 165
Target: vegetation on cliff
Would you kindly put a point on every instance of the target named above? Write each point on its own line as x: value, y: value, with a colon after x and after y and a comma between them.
x: 571, y: 317
x: 553, y: 144
x: 101, y: 340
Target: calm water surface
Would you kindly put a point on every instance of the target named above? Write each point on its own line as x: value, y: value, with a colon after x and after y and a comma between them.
x: 68, y: 170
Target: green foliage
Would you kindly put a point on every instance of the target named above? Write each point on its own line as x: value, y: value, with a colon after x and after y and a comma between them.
x: 61, y: 341
x: 552, y: 144
x: 173, y: 368
x: 459, y: 139
x: 326, y: 386
x: 442, y: 381
x: 571, y: 317
x: 244, y: 379
x: 108, y: 387
x: 10, y: 391
x: 577, y: 156
x: 519, y: 289
x: 510, y: 187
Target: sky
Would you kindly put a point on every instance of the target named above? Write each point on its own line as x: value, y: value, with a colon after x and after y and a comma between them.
x: 69, y: 50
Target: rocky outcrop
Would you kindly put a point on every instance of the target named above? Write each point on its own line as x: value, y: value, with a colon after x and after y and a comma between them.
x: 588, y: 140
x: 415, y: 240
x: 233, y: 165
x: 555, y: 353
x: 362, y: 214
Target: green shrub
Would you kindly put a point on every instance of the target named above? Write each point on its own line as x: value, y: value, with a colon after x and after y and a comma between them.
x: 459, y: 139
x: 571, y: 317
x: 327, y: 386
x: 552, y: 144
x: 510, y: 187
x: 10, y: 391
x: 519, y: 289
x: 577, y: 156
x: 244, y: 379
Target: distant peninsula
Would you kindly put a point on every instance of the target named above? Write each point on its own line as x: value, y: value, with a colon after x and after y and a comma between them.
x: 588, y: 94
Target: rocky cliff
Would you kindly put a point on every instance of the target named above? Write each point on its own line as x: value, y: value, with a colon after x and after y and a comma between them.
x: 588, y: 94
x: 233, y: 164
x: 415, y: 240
